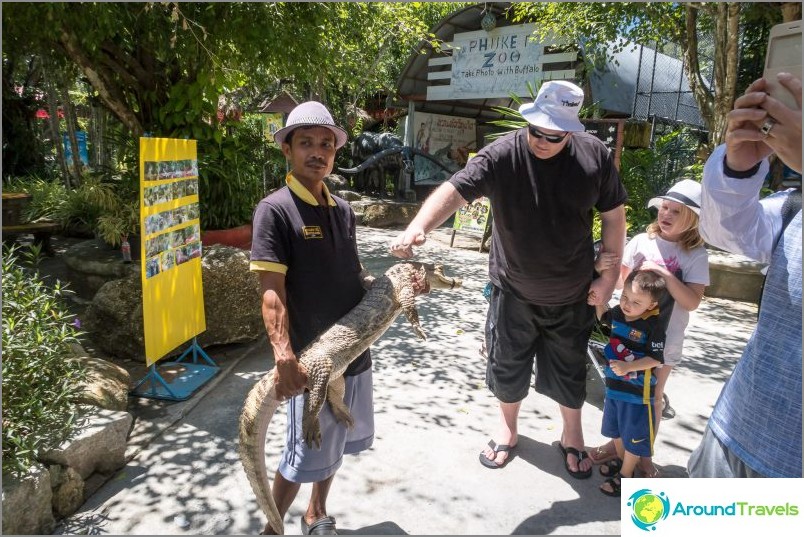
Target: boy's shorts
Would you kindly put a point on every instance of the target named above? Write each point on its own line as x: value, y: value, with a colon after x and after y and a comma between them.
x: 632, y: 423
x: 301, y: 464
x: 557, y: 336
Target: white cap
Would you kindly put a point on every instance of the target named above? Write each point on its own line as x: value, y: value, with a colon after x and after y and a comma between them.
x: 686, y: 192
x: 556, y: 107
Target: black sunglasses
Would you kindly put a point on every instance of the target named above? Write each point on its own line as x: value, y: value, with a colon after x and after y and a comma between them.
x: 552, y: 138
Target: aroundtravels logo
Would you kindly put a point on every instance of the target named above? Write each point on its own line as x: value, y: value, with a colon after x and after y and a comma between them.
x: 648, y: 508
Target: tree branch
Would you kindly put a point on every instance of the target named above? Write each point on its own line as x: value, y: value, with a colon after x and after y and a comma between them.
x: 109, y: 94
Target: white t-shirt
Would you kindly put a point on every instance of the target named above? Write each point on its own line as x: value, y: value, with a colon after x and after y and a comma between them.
x: 689, y: 266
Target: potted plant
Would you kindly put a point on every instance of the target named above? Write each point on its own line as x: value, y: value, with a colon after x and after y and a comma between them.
x: 120, y: 224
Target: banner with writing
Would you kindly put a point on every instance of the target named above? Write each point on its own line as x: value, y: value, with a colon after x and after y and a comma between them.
x: 448, y: 140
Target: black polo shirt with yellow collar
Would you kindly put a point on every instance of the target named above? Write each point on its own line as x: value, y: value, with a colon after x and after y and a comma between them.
x: 315, y: 247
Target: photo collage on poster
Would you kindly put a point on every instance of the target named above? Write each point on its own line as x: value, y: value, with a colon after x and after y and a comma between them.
x: 154, y: 195
x: 170, y: 169
x: 171, y: 247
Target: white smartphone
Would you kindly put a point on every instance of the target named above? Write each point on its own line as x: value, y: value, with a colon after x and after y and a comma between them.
x: 784, y: 56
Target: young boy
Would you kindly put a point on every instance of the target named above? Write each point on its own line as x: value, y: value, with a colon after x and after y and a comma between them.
x: 636, y: 346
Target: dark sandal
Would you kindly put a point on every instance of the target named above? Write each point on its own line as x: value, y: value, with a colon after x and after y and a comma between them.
x: 615, y: 483
x: 497, y: 448
x: 580, y: 455
x: 322, y: 526
x: 611, y: 468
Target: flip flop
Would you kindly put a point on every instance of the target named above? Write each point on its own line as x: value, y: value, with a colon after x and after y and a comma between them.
x: 580, y: 455
x: 497, y: 448
x: 322, y: 526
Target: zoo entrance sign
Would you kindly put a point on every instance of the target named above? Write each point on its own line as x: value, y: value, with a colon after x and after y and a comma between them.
x: 496, y: 64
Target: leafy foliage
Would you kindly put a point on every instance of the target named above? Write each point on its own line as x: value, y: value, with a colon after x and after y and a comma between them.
x: 47, y: 196
x: 647, y: 173
x: 84, y: 205
x: 39, y: 382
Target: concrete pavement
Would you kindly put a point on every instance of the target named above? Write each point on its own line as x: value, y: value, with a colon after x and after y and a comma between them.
x: 433, y: 416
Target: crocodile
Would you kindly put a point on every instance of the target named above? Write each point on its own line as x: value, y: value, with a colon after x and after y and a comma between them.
x: 325, y: 360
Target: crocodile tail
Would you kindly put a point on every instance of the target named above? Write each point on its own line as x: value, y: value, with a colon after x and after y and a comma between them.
x: 259, y: 408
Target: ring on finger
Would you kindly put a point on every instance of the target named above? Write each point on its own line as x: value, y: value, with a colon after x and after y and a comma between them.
x: 766, y: 127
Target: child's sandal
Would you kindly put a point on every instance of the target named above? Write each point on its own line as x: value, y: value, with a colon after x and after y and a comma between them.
x: 610, y: 468
x: 615, y: 484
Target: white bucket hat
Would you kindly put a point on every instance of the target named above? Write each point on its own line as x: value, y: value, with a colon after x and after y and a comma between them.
x: 556, y: 107
x: 311, y: 114
x: 687, y: 192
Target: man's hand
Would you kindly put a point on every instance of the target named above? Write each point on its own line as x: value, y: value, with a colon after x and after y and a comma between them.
x: 745, y: 144
x: 600, y: 291
x: 402, y: 246
x: 785, y: 136
x: 290, y: 378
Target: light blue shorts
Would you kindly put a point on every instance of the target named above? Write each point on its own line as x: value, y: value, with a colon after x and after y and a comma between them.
x: 301, y: 464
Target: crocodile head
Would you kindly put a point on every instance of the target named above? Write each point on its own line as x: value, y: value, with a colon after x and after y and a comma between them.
x: 434, y: 278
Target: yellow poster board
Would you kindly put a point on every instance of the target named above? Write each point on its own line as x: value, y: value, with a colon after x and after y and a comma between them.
x: 172, y: 293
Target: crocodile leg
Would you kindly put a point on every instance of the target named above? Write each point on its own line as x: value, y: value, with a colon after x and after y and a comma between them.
x: 335, y: 394
x: 317, y: 379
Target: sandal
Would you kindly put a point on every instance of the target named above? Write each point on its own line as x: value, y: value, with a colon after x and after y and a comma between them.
x: 601, y: 454
x: 615, y: 483
x: 610, y: 468
x: 322, y: 526
x: 580, y: 455
x: 497, y: 448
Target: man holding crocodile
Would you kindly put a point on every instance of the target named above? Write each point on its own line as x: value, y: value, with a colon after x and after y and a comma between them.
x: 543, y: 182
x: 305, y: 251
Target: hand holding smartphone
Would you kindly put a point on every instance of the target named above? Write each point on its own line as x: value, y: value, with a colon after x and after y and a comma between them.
x: 783, y: 56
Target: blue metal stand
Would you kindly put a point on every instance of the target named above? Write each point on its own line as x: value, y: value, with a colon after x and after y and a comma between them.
x: 195, y: 375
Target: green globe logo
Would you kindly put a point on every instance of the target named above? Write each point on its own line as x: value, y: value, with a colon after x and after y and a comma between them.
x: 648, y: 508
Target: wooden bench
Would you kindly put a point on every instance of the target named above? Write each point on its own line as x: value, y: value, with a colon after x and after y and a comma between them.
x: 41, y: 232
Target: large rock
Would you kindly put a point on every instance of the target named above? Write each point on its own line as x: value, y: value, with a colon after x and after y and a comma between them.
x: 27, y: 503
x: 68, y: 490
x: 734, y: 277
x: 97, y: 443
x: 106, y: 384
x: 231, y: 304
x: 389, y: 214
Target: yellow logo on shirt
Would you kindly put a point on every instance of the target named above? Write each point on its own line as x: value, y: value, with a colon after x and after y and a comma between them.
x: 312, y: 232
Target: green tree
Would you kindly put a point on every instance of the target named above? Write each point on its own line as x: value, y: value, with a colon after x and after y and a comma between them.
x: 609, y: 27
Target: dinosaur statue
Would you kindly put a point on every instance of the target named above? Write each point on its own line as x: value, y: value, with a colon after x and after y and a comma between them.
x: 325, y: 360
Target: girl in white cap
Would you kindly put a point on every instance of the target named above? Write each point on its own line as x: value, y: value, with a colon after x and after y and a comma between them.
x: 674, y: 248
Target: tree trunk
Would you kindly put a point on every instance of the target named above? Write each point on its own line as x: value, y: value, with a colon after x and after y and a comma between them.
x: 52, y: 104
x: 69, y: 119
x: 714, y: 105
x: 727, y: 25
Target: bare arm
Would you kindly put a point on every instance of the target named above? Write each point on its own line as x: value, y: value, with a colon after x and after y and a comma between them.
x: 290, y: 377
x: 613, y: 235
x: 436, y: 209
x: 621, y: 368
x: 686, y: 295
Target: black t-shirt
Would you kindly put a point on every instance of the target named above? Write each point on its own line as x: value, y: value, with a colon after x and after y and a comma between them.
x: 541, y: 247
x: 316, y: 247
